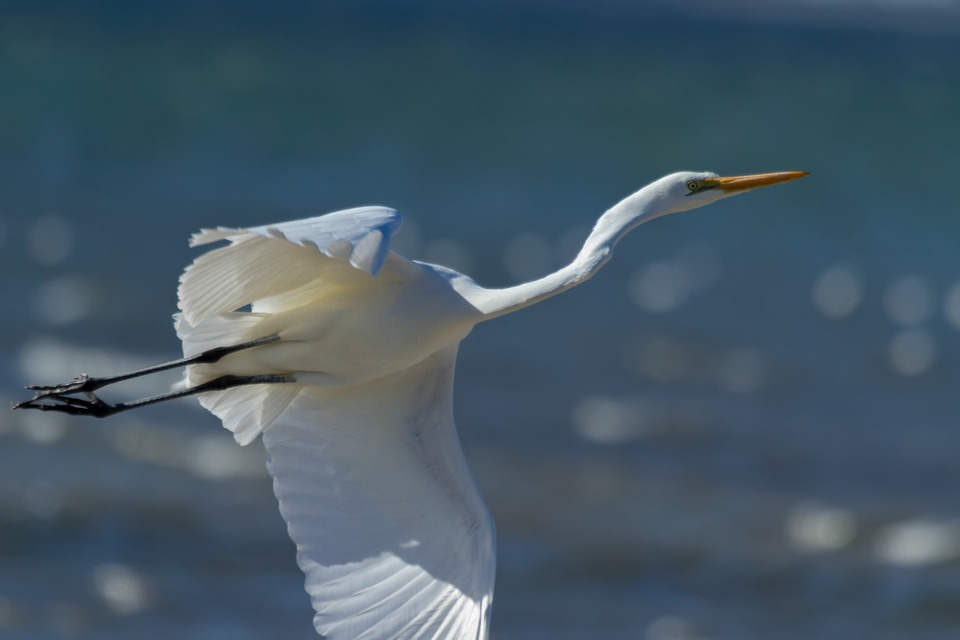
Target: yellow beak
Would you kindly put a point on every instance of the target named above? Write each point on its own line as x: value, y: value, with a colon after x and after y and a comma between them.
x: 736, y: 184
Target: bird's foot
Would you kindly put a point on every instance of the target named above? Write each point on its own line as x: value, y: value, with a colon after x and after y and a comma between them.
x: 91, y: 405
x: 64, y: 398
x: 81, y: 384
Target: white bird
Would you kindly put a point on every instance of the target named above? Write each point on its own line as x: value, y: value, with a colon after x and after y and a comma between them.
x: 340, y: 353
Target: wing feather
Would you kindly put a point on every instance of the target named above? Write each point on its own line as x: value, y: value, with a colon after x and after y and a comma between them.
x: 390, y: 531
x: 261, y: 262
x: 248, y: 410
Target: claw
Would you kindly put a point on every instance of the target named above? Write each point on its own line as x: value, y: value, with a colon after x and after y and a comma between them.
x: 64, y: 403
x: 81, y: 383
x: 60, y: 398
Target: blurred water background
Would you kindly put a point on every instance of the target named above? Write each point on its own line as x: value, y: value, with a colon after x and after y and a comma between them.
x: 746, y: 427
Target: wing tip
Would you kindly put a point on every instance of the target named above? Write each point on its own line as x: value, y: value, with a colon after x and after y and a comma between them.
x: 206, y: 236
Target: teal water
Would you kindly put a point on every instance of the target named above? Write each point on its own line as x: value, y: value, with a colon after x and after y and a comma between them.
x: 744, y: 427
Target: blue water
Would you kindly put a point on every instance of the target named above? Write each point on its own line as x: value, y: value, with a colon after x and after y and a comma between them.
x: 744, y: 428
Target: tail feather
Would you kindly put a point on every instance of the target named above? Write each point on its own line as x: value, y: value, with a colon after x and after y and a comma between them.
x: 246, y: 411
x: 217, y: 331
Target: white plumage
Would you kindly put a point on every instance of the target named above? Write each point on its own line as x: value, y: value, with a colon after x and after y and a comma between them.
x: 390, y: 531
x: 341, y: 353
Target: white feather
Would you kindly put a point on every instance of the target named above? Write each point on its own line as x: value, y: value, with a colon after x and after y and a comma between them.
x: 254, y: 266
x: 393, y: 537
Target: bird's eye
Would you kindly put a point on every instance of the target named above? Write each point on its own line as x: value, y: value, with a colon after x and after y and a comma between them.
x: 693, y: 185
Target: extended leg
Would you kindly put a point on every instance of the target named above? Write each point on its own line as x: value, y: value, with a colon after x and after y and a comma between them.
x: 77, y: 397
x: 84, y: 383
x: 91, y: 405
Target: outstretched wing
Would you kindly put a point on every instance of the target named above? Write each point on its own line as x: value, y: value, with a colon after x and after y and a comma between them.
x: 393, y: 537
x: 255, y: 266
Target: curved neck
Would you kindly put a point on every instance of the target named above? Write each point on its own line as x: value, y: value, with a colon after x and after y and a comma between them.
x: 597, y: 249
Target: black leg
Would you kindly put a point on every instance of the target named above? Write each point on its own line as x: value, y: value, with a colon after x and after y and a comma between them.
x: 84, y: 383
x: 91, y: 405
x: 77, y: 397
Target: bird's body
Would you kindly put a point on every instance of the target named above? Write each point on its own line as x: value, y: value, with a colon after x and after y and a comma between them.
x: 346, y: 332
x: 341, y: 354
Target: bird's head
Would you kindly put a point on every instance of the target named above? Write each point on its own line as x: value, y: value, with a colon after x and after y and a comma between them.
x: 691, y: 189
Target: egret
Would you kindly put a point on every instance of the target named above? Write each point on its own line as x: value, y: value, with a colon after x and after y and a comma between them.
x: 340, y: 354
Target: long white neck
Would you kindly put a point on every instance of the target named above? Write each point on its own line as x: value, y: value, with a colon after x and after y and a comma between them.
x: 597, y: 249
